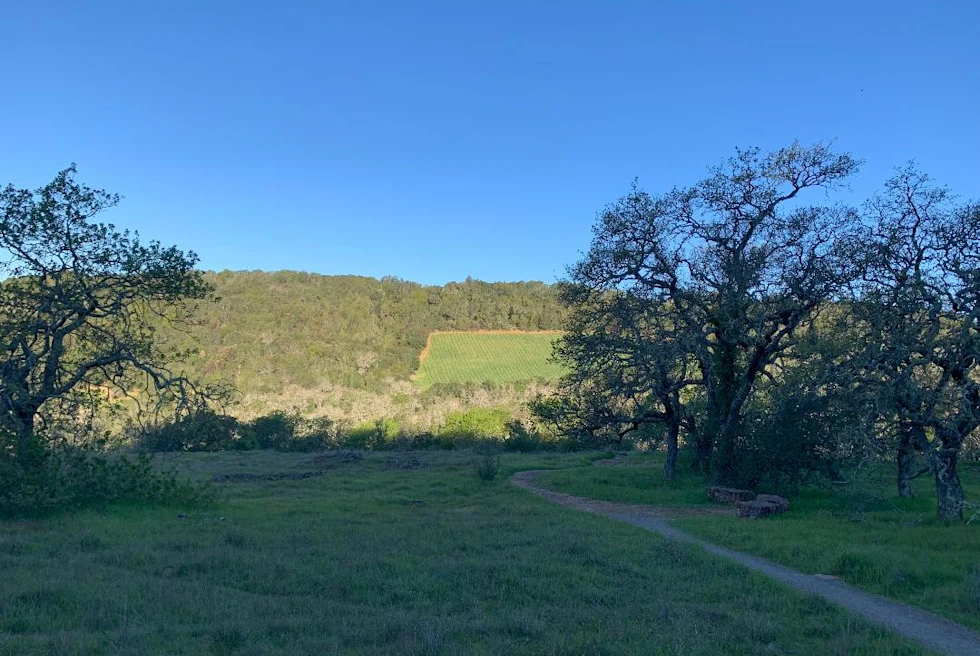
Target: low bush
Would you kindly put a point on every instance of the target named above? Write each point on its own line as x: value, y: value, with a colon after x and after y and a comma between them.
x: 291, y: 432
x: 476, y: 424
x: 488, y: 466
x: 797, y: 434
x: 525, y: 439
x: 422, y: 440
x: 272, y: 431
x: 378, y: 434
x: 209, y: 431
x: 204, y: 430
x: 70, y: 478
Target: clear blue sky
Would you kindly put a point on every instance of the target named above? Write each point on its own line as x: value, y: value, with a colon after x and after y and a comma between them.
x: 433, y: 141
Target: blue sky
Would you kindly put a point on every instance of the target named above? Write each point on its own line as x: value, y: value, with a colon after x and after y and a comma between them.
x: 433, y: 141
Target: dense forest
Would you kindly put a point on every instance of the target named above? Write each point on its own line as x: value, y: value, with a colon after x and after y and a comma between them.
x: 270, y: 331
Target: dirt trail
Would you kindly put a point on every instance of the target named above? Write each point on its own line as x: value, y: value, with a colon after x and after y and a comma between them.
x: 931, y: 631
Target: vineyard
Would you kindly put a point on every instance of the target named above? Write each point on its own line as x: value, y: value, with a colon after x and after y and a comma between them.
x: 487, y: 357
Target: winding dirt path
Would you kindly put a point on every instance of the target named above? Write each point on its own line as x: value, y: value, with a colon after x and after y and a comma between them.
x: 931, y: 631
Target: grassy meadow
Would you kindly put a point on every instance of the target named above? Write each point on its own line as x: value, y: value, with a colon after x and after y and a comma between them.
x: 487, y: 357
x: 862, y: 532
x: 397, y: 553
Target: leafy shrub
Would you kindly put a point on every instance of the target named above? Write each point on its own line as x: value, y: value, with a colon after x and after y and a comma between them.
x: 274, y: 430
x: 66, y: 479
x: 488, y: 466
x: 376, y: 435
x: 797, y: 433
x: 523, y: 439
x: 281, y: 431
x: 476, y: 424
x: 203, y: 430
x: 422, y: 440
x: 290, y: 432
x: 208, y: 431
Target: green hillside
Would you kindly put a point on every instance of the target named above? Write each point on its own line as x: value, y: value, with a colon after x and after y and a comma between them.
x: 270, y: 331
x: 475, y: 357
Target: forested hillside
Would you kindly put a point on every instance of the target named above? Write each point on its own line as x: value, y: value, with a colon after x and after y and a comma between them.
x: 270, y: 331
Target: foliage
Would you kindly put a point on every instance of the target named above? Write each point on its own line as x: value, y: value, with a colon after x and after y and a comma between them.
x: 375, y: 434
x: 79, y: 306
x: 917, y: 308
x: 487, y: 467
x: 695, y: 295
x: 476, y: 424
x: 794, y: 430
x: 272, y: 430
x: 70, y: 478
x: 80, y: 303
x: 271, y: 331
x: 478, y: 357
x: 207, y: 430
x: 291, y: 432
x: 202, y: 430
x: 525, y: 439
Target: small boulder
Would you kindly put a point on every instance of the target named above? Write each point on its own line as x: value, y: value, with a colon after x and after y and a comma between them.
x: 781, y: 503
x: 729, y: 494
x: 756, y: 509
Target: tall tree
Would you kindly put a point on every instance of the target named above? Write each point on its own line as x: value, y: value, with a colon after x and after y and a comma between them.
x: 733, y: 266
x: 78, y: 304
x: 629, y: 368
x: 919, y: 303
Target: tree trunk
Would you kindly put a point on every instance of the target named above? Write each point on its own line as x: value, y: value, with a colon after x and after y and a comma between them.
x: 949, y: 491
x: 722, y: 431
x: 703, y: 445
x: 27, y: 449
x: 907, y: 470
x: 670, y: 464
x: 727, y: 465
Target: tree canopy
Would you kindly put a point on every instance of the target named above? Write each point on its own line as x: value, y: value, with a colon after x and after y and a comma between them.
x: 767, y: 333
x: 79, y: 306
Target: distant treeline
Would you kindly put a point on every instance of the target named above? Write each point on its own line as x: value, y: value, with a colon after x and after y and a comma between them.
x: 269, y: 330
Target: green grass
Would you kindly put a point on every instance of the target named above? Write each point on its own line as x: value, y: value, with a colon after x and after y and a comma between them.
x: 373, y: 560
x: 862, y: 532
x: 475, y: 357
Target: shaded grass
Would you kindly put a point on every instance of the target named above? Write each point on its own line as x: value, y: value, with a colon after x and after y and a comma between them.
x: 862, y: 532
x: 638, y: 480
x: 480, y: 357
x: 372, y: 561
